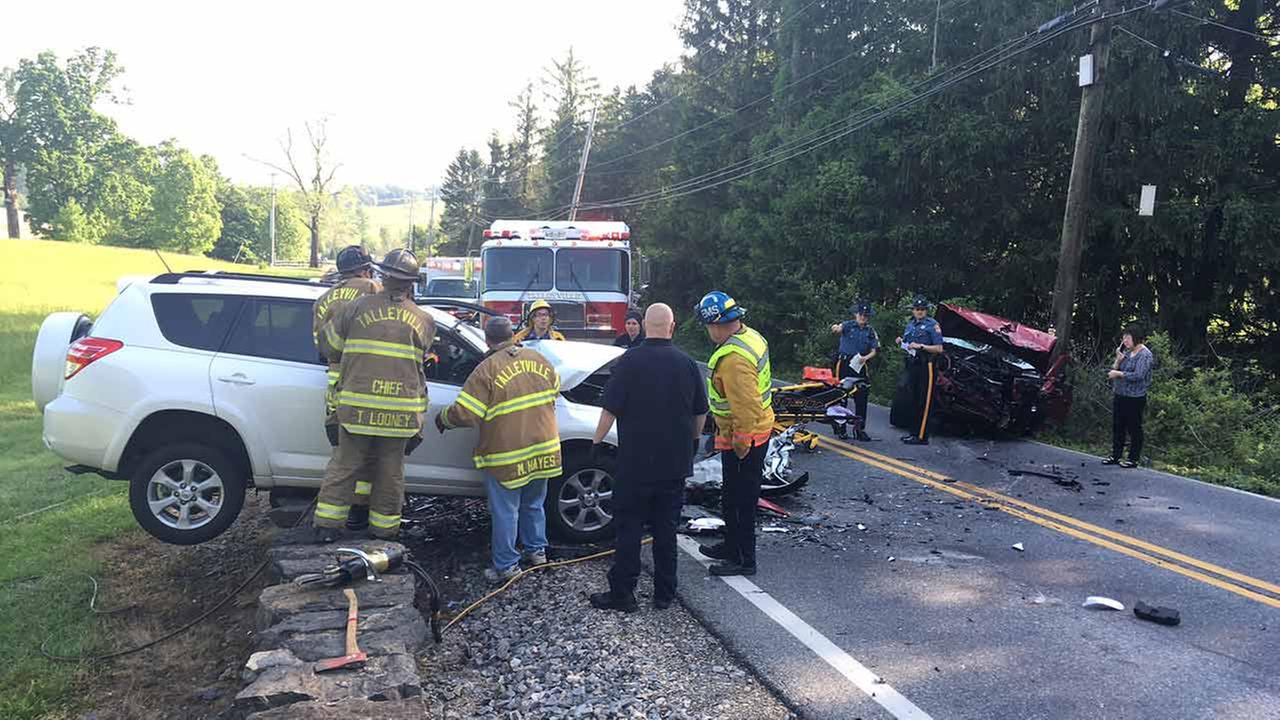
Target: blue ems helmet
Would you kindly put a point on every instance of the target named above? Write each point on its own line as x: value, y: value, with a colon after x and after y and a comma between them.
x: 718, y: 308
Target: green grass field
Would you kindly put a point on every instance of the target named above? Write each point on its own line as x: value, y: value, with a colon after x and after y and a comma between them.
x: 52, y: 519
x: 396, y: 218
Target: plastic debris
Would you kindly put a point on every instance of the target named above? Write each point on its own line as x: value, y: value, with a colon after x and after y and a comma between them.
x: 1019, y: 547
x: 774, y: 529
x: 862, y: 527
x: 1098, y: 602
x: 1158, y: 615
x: 706, y: 524
x: 892, y: 558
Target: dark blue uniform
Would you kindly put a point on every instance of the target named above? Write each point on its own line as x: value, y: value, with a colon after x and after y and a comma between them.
x: 856, y: 339
x: 656, y: 392
x: 919, y: 374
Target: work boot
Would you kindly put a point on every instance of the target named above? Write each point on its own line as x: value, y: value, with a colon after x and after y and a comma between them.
x: 501, y: 576
x: 715, y: 552
x: 535, y: 559
x: 724, y: 569
x: 864, y: 437
x: 358, y: 518
x: 324, y: 535
x: 606, y: 601
x: 913, y: 440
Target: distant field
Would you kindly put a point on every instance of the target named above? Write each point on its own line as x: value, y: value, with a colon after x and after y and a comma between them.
x: 51, y: 518
x: 396, y: 218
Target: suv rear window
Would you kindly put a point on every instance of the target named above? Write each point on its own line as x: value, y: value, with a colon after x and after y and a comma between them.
x: 195, y: 320
x: 277, y: 329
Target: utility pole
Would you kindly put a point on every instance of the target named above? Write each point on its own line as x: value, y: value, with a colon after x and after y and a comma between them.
x: 582, y: 167
x: 1076, y: 216
x: 411, y: 248
x: 937, y: 16
x: 431, y: 220
x: 271, y: 221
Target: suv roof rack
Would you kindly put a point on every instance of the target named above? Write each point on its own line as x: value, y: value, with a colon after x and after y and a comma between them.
x: 173, y: 278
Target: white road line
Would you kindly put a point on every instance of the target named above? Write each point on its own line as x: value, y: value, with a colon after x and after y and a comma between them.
x: 854, y: 671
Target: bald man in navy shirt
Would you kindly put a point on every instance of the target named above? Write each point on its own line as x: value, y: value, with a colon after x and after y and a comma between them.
x: 658, y: 397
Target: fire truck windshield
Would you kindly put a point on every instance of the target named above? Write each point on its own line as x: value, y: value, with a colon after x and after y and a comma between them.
x: 592, y: 270
x: 518, y: 269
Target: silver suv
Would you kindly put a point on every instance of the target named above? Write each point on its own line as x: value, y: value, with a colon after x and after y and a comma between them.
x: 195, y: 387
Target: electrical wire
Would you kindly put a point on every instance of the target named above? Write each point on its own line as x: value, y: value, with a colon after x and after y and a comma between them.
x: 1208, y: 21
x: 850, y: 124
x: 1059, y: 29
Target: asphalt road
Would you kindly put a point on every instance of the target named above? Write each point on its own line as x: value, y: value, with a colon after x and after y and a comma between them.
x: 959, y: 624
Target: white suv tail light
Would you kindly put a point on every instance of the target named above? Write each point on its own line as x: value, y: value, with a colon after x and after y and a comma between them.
x: 86, y: 350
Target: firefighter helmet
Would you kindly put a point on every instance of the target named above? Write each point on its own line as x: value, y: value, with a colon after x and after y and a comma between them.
x: 718, y: 308
x: 353, y: 259
x: 400, y: 264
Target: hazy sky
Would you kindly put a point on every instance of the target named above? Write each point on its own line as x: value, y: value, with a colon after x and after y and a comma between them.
x: 404, y: 84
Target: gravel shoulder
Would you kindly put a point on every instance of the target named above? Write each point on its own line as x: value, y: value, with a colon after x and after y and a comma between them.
x: 540, y: 650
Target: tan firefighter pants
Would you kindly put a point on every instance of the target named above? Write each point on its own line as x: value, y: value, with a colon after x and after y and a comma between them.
x: 377, y: 460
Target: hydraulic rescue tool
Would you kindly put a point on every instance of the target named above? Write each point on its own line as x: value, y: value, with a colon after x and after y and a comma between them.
x: 357, y: 564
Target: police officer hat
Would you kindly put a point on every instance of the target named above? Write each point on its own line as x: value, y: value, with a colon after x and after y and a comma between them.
x: 862, y: 307
x: 920, y: 302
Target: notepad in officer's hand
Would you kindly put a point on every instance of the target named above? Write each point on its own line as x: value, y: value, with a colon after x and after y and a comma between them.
x: 907, y: 346
x: 857, y: 362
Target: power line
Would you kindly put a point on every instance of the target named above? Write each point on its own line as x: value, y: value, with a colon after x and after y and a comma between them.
x: 1208, y: 21
x: 851, y: 124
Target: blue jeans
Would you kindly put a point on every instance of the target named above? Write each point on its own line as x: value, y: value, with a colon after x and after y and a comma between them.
x: 516, y: 513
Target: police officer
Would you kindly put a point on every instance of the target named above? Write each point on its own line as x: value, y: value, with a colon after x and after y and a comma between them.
x: 657, y: 395
x: 355, y: 280
x: 923, y: 340
x: 379, y: 342
x: 858, y: 341
x: 740, y: 395
x: 539, y: 324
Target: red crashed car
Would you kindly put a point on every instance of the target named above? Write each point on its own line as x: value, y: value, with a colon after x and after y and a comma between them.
x: 995, y: 375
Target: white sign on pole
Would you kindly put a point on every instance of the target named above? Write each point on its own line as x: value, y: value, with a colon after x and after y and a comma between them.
x: 1147, y: 205
x: 1086, y: 70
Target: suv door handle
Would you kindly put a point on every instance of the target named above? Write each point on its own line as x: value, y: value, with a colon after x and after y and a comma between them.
x: 237, y: 379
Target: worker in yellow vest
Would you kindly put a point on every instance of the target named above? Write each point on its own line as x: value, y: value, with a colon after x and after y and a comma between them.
x: 539, y: 324
x: 739, y: 391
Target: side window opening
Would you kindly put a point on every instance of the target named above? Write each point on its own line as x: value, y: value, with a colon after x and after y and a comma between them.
x: 195, y: 320
x: 451, y: 359
x: 276, y: 329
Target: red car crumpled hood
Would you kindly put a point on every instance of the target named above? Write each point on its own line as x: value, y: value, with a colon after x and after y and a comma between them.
x: 1034, y: 346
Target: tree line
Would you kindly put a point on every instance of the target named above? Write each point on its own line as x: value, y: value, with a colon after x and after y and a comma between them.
x: 715, y: 165
x: 77, y: 178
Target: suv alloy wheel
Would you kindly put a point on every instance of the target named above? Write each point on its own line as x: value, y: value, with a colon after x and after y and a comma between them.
x: 186, y: 493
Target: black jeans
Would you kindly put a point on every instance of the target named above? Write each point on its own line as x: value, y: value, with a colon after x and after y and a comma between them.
x: 1126, y: 419
x: 634, y: 504
x: 738, y: 499
x: 845, y: 369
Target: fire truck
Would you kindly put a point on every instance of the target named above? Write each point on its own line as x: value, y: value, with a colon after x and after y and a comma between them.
x: 583, y: 269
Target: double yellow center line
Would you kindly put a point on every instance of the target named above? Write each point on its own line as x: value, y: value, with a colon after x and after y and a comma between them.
x: 1258, y: 590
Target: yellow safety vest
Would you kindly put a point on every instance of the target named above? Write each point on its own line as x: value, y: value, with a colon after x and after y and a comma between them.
x: 751, y: 345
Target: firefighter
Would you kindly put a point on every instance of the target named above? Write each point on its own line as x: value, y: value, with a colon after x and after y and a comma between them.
x: 511, y: 398
x: 923, y: 339
x: 539, y: 324
x: 858, y: 344
x: 379, y: 342
x: 355, y: 279
x: 739, y: 391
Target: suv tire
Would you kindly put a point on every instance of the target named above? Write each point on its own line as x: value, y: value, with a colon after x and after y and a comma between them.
x: 186, y: 493
x: 579, y: 503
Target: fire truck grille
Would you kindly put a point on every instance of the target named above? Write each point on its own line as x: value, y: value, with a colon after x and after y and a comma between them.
x: 569, y: 315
